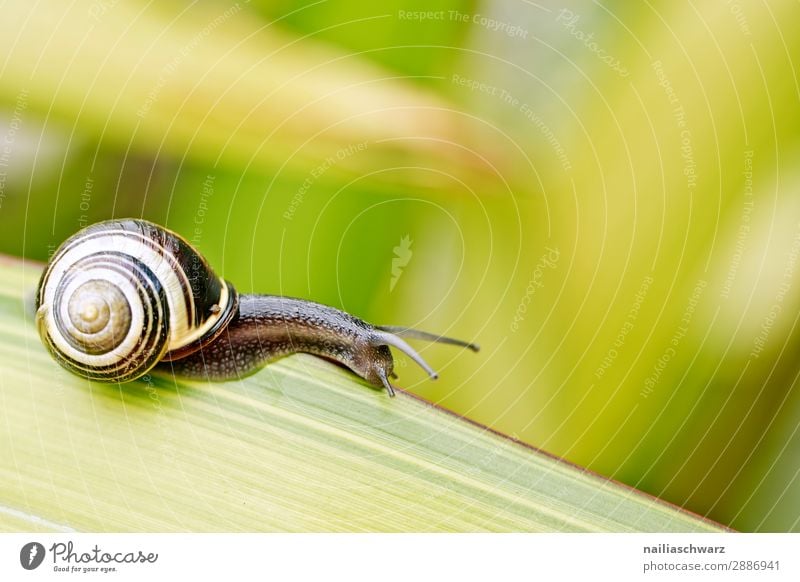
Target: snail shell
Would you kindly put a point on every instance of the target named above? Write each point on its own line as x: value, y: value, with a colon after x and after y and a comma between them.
x: 122, y: 295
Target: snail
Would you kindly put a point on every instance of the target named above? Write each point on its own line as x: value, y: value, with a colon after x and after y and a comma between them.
x: 123, y: 297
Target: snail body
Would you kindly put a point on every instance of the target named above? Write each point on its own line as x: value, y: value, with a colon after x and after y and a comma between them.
x: 123, y: 297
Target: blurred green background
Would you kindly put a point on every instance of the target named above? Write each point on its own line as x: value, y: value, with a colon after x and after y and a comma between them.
x: 606, y: 196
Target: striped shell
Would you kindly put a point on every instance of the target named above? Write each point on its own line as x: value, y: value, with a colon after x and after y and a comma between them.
x: 122, y: 295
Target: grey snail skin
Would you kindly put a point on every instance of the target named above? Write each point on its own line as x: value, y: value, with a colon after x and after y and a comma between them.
x: 124, y: 297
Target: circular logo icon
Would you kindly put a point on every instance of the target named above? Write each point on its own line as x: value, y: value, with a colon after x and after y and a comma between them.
x: 31, y: 555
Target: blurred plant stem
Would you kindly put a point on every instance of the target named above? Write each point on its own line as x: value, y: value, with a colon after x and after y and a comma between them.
x: 215, y: 84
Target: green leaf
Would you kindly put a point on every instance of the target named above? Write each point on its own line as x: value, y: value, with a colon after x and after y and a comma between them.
x: 302, y: 445
x: 215, y: 84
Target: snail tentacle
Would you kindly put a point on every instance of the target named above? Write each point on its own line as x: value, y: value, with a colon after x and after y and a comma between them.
x: 424, y: 335
x: 385, y: 338
x: 386, y: 383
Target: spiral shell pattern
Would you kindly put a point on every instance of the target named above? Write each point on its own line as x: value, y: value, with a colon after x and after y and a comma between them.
x: 120, y: 296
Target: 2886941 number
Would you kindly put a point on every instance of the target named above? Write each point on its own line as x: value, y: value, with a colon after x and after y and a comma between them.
x: 755, y: 565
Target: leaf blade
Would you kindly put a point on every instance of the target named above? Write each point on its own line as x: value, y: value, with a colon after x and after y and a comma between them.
x: 300, y: 446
